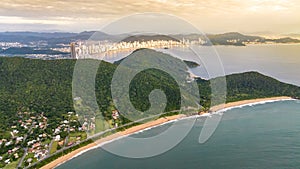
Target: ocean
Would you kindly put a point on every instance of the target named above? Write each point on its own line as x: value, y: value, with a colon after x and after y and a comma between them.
x: 250, y: 137
x: 280, y: 61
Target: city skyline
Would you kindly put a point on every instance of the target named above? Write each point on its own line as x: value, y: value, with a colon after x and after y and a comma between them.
x: 257, y: 17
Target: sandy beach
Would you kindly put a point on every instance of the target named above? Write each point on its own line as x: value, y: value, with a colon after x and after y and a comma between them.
x: 135, y: 129
x: 129, y: 131
x: 244, y: 102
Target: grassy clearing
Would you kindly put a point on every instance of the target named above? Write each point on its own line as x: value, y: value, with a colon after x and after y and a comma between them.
x: 12, y: 165
x: 54, y: 147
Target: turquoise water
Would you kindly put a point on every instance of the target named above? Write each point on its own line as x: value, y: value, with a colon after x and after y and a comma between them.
x: 251, y: 137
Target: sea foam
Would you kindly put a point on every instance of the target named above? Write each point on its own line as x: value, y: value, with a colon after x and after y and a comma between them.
x: 252, y: 104
x: 219, y: 112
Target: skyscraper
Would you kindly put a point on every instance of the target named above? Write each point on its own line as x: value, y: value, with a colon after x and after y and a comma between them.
x: 73, y: 50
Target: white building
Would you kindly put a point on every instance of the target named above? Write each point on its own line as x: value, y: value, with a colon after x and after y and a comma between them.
x: 7, y: 161
x: 57, y: 138
x: 19, y: 138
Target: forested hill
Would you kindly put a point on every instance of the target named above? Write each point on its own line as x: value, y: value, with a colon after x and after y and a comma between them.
x: 46, y: 86
x: 251, y: 85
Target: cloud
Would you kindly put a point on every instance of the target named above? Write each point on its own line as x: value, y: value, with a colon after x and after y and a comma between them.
x: 212, y: 15
x: 22, y: 20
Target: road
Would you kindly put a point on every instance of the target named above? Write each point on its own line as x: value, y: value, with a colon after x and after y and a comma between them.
x: 26, y: 148
x: 98, y: 135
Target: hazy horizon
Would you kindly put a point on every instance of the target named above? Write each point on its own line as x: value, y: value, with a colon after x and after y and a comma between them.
x: 265, y: 17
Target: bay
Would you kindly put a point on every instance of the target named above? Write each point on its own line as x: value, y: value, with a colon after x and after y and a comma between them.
x: 258, y: 136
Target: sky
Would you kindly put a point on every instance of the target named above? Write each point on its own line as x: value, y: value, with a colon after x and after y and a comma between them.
x: 211, y: 16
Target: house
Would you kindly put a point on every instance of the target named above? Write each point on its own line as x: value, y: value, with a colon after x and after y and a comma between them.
x: 19, y: 138
x: 15, y: 131
x: 16, y: 155
x: 15, y: 149
x: 7, y: 161
x: 57, y: 138
x: 57, y: 130
x: 70, y: 143
x: 115, y: 114
x: 92, y: 126
x: 31, y: 142
x: 36, y: 145
x: 33, y: 118
x: 8, y: 143
x: 61, y: 143
x: 29, y: 160
x: 29, y: 121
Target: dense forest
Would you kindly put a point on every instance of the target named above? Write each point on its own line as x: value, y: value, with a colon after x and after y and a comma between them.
x: 46, y: 86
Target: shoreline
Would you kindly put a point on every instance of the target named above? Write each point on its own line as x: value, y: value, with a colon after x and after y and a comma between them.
x: 248, y: 102
x: 110, y: 138
x: 160, y: 121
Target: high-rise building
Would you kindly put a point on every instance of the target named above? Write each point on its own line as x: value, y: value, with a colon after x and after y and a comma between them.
x: 73, y: 50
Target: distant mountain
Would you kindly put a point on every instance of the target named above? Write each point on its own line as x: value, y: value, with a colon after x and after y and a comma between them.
x: 28, y: 50
x: 52, y: 39
x: 148, y: 38
x: 293, y: 35
x: 25, y: 37
x: 236, y: 35
x: 233, y: 38
x: 39, y: 34
x: 284, y: 40
x: 66, y: 40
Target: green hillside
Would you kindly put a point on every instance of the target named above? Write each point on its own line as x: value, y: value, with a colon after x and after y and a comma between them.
x: 46, y: 86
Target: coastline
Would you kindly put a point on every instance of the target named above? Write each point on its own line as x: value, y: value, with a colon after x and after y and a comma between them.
x: 110, y: 138
x: 160, y: 121
x: 248, y: 102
